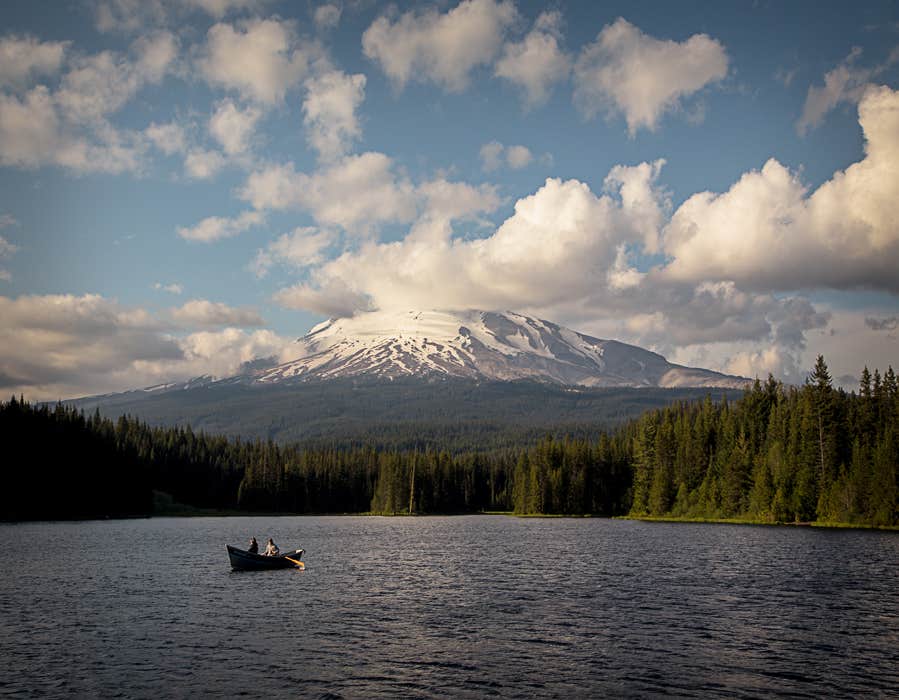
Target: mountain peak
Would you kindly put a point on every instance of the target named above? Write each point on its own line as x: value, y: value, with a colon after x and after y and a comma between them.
x: 477, y: 344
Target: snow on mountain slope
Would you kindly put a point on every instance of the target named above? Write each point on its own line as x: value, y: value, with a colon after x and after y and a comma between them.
x: 479, y: 345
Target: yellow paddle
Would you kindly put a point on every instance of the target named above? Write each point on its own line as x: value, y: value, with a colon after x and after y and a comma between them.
x: 299, y: 564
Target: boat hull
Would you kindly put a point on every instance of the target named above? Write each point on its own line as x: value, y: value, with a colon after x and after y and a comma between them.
x: 242, y: 560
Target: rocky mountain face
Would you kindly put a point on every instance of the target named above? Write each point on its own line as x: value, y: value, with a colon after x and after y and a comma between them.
x: 479, y: 345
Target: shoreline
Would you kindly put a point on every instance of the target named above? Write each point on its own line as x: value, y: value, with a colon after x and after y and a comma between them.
x: 766, y: 523
x: 188, y: 512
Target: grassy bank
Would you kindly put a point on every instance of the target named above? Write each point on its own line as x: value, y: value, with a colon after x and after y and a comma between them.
x: 749, y: 521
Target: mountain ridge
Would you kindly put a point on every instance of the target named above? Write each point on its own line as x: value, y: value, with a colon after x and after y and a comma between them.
x: 486, y: 345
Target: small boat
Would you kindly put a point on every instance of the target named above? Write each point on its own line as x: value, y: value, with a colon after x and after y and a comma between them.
x: 242, y: 560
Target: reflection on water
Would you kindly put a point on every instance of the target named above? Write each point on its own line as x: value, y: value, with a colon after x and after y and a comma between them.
x: 461, y: 606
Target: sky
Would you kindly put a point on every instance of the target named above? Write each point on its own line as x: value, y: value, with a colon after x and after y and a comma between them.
x: 189, y: 186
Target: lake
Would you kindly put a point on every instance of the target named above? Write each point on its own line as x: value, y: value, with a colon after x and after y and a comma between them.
x: 466, y: 606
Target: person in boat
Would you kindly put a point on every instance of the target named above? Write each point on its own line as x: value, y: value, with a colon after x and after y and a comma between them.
x: 271, y: 549
x: 254, y: 546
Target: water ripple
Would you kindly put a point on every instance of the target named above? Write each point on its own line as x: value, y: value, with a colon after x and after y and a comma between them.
x: 435, y: 607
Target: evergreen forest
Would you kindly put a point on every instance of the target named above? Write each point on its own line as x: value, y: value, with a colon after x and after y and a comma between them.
x: 777, y: 454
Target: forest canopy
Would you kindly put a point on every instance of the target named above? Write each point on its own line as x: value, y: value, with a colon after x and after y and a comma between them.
x: 777, y: 454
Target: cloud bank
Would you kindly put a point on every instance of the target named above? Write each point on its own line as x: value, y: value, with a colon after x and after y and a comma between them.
x: 59, y: 346
x: 726, y: 259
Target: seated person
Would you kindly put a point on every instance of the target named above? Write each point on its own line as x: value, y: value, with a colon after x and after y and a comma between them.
x: 271, y: 549
x: 254, y: 546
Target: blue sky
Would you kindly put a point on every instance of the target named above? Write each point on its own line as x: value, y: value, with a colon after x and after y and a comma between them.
x: 188, y: 185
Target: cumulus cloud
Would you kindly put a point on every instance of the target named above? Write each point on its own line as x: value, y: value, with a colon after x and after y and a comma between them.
x: 626, y: 71
x: 495, y: 155
x: 547, y: 252
x: 357, y: 193
x: 102, y: 83
x: 219, y: 8
x: 168, y: 138
x: 332, y: 297
x: 846, y: 83
x: 68, y: 127
x: 131, y: 16
x: 536, y: 62
x: 329, y: 112
x: 23, y: 58
x: 769, y: 232
x: 173, y: 288
x: 327, y: 16
x: 33, y: 133
x: 259, y: 59
x: 61, y: 346
x: 727, y: 267
x: 202, y: 164
x: 301, y: 248
x: 569, y: 254
x: 440, y: 47
x: 215, y: 228
x: 7, y: 249
x: 203, y: 313
x: 233, y: 127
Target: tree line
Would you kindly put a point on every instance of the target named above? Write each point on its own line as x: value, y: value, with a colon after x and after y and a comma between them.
x: 777, y: 454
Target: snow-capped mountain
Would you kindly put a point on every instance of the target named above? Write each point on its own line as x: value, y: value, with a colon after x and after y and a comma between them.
x: 478, y: 345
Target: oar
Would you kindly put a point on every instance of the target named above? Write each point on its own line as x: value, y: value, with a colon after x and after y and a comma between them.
x: 299, y: 564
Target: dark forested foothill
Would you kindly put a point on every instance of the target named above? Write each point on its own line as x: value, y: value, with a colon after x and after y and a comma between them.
x: 778, y: 454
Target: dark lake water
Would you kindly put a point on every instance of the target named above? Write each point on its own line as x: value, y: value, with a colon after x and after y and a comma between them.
x: 458, y: 606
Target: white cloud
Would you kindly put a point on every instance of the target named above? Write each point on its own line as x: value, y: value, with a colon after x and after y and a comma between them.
x: 29, y: 128
x: 201, y: 164
x: 303, y: 247
x: 215, y: 228
x: 100, y: 84
x: 233, y: 127
x: 203, y: 313
x: 537, y: 62
x: 630, y: 72
x: 494, y: 155
x: 24, y: 57
x: 443, y: 48
x: 518, y: 157
x: 61, y: 346
x: 332, y: 298
x: 546, y: 253
x: 7, y: 249
x: 68, y: 127
x: 168, y: 138
x: 132, y: 16
x: 358, y: 193
x: 173, y: 288
x: 768, y: 232
x: 129, y: 15
x: 327, y: 16
x: 219, y: 8
x: 329, y: 112
x: 566, y: 254
x: 259, y: 59
x: 846, y: 83
x: 32, y: 134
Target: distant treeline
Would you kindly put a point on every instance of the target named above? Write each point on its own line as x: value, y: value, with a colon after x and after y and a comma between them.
x: 777, y: 454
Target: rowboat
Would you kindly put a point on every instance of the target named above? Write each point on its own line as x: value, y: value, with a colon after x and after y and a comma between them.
x: 242, y: 560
